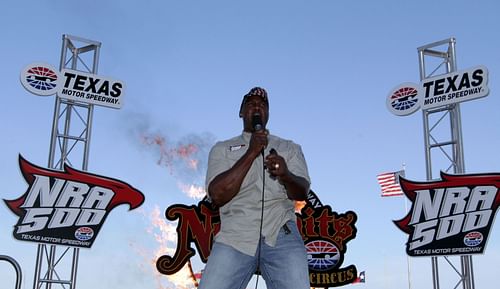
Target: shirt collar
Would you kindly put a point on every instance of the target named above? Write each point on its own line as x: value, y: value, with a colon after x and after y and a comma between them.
x: 246, y: 136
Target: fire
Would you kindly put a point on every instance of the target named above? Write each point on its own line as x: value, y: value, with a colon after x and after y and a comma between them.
x: 193, y: 191
x: 186, y: 150
x: 165, y: 235
x: 182, y: 279
x: 186, y: 161
x: 169, y: 155
x: 165, y: 231
x: 299, y: 205
x: 193, y: 164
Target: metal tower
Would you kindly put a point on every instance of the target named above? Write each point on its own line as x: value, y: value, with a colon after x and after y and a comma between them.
x: 443, y: 139
x: 71, y: 129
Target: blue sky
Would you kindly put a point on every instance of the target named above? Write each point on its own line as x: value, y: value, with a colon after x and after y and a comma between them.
x: 328, y: 67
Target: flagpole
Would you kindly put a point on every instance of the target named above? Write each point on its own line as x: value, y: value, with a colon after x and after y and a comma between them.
x: 390, y: 186
x: 407, y: 257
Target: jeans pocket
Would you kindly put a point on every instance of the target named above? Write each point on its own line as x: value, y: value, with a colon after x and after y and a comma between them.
x: 290, y: 230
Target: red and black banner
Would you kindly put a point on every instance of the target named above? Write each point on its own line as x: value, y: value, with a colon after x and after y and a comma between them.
x: 67, y: 207
x: 325, y: 235
x: 452, y: 216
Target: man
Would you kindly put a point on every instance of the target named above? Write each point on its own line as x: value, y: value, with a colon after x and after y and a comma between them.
x: 255, y: 234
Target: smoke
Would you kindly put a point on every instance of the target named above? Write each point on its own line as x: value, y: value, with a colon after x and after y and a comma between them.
x: 184, y: 157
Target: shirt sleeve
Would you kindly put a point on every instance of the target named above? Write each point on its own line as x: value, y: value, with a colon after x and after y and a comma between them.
x: 216, y: 164
x: 297, y: 163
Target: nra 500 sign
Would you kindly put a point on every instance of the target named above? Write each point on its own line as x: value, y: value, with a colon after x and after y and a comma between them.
x: 67, y: 207
x: 452, y: 216
x: 43, y: 79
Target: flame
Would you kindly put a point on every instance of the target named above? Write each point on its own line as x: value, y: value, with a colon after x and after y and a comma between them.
x: 165, y: 235
x: 193, y: 191
x: 299, y: 205
x: 165, y: 231
x: 193, y: 164
x: 186, y: 160
x: 183, y: 279
x: 168, y: 155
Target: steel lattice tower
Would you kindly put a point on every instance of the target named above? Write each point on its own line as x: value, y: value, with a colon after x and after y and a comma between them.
x: 70, y: 140
x: 443, y: 139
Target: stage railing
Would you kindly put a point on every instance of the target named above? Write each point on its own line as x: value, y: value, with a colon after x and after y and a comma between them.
x: 16, y: 267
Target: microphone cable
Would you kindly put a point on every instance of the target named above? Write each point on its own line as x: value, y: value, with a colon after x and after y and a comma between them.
x: 259, y: 245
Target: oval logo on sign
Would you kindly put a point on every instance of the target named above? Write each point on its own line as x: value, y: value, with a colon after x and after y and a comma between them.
x: 322, y: 255
x: 473, y: 239
x: 40, y: 78
x: 84, y: 233
x: 404, y: 99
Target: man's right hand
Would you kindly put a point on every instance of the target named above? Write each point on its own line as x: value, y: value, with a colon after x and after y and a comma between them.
x: 258, y: 142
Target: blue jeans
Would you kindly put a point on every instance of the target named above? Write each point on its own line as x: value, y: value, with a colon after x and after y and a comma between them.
x: 282, y: 266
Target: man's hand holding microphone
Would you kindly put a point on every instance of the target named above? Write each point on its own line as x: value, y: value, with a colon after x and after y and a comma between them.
x: 274, y: 163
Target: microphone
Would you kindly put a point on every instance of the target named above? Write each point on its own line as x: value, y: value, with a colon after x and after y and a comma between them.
x: 257, y: 122
x: 257, y: 125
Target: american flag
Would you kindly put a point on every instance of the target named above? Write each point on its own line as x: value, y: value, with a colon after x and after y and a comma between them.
x: 389, y: 183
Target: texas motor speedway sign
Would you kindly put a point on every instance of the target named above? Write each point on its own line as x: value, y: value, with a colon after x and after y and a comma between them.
x: 455, y: 87
x: 43, y: 79
x: 439, y: 91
